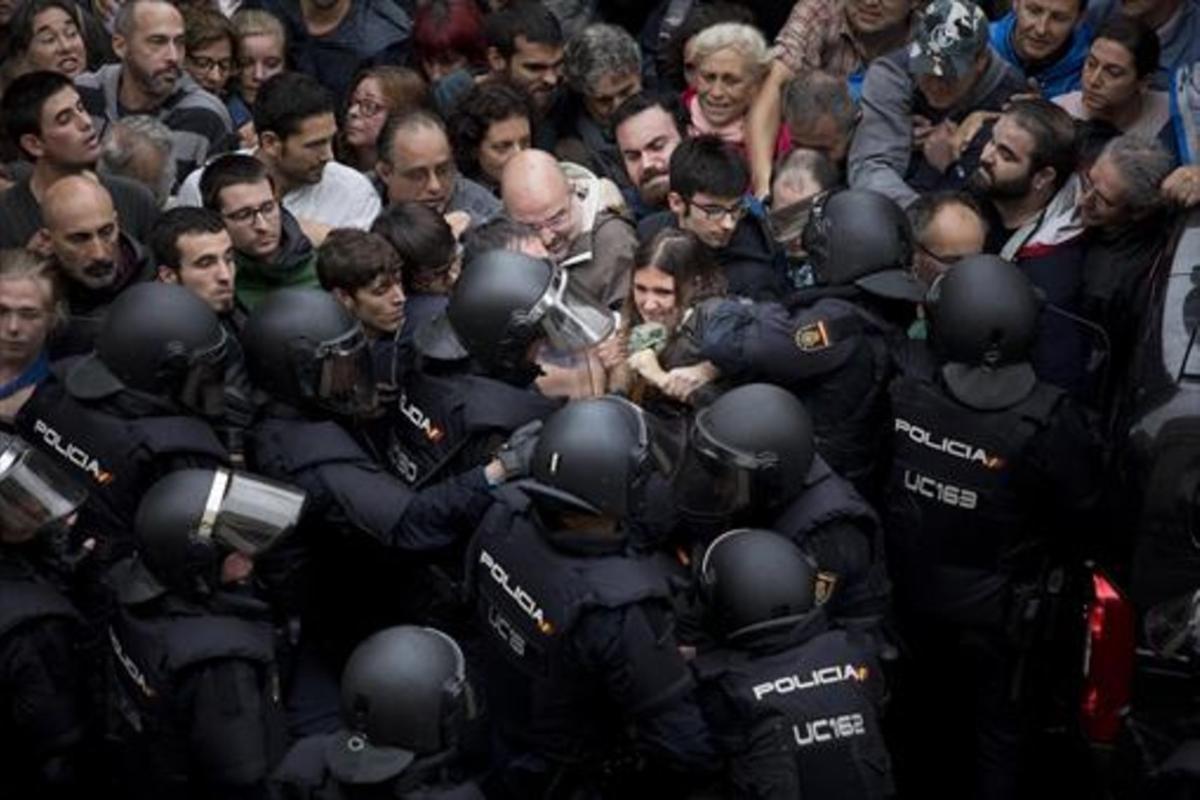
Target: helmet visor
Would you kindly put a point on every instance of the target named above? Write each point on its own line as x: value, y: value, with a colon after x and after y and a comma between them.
x: 34, y: 491
x: 571, y: 319
x: 715, y: 480
x: 203, y: 389
x: 345, y: 382
x: 248, y: 513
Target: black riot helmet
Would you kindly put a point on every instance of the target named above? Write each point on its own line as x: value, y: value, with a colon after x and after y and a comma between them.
x: 191, y: 519
x: 983, y: 318
x: 158, y: 340
x: 859, y: 237
x: 751, y: 448
x: 753, y: 580
x: 504, y: 301
x: 593, y: 456
x: 404, y: 695
x: 34, y: 491
x: 304, y: 348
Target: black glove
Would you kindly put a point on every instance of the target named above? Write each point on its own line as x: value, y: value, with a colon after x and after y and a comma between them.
x: 517, y: 452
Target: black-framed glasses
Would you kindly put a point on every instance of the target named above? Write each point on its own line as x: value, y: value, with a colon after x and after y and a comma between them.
x: 208, y: 64
x: 714, y: 212
x: 244, y: 215
x: 368, y: 108
x: 949, y: 261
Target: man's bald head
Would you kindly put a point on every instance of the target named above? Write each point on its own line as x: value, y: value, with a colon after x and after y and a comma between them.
x: 80, y: 224
x: 536, y: 192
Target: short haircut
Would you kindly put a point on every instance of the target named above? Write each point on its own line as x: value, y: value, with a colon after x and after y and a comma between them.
x: 23, y: 101
x: 1144, y: 164
x: 21, y: 27
x: 499, y: 233
x: 444, y: 27
x: 706, y: 164
x: 1054, y: 136
x: 525, y: 18
x: 927, y: 206
x: 685, y: 258
x: 21, y: 264
x: 484, y: 105
x: 702, y: 15
x: 422, y: 238
x: 125, y: 22
x: 1135, y: 36
x: 812, y: 95
x: 231, y: 169
x: 350, y: 259
x: 417, y: 118
x: 746, y: 40
x: 173, y: 225
x: 249, y: 22
x: 204, y: 26
x: 803, y: 163
x: 286, y: 100
x: 121, y: 142
x: 646, y: 100
x: 600, y: 50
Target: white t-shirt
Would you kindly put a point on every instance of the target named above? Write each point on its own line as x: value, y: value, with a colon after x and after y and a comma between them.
x: 343, y: 198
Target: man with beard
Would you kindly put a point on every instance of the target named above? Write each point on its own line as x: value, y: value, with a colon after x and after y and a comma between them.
x: 648, y: 128
x: 45, y: 120
x: 1026, y: 174
x: 148, y: 39
x: 525, y: 47
x: 97, y: 261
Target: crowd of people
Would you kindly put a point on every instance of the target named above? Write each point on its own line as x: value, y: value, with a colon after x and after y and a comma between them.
x: 570, y: 399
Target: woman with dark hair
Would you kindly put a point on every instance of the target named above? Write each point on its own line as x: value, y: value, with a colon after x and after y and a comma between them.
x: 51, y: 35
x: 377, y: 93
x: 431, y: 257
x: 491, y: 124
x: 450, y: 48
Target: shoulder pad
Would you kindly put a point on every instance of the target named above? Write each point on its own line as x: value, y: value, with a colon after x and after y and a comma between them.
x: 26, y: 601
x: 620, y: 581
x: 165, y: 435
x: 302, y: 444
x: 194, y: 640
x: 492, y: 405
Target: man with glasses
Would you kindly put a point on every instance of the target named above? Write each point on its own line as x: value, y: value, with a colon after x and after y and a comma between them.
x: 947, y: 226
x: 707, y: 197
x: 270, y: 250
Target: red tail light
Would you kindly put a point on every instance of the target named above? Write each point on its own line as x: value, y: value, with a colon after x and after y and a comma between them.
x: 1107, y: 660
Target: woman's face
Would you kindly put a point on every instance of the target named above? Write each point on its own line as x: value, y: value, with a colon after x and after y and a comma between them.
x: 1110, y: 81
x: 261, y: 57
x: 57, y: 44
x: 503, y: 140
x: 366, y: 113
x: 654, y: 296
x: 725, y: 85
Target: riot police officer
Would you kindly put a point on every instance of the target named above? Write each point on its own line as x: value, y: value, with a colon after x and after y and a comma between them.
x: 195, y: 693
x: 750, y: 461
x: 832, y: 344
x: 990, y: 469
x: 42, y: 701
x: 577, y: 623
x: 793, y: 703
x: 135, y: 409
x: 405, y: 701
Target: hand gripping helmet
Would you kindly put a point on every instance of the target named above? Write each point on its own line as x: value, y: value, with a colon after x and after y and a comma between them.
x: 983, y: 318
x: 863, y: 238
x: 753, y: 580
x: 404, y: 694
x: 34, y: 491
x: 751, y: 448
x: 593, y: 456
x: 303, y: 348
x: 502, y: 302
x: 191, y: 519
x: 159, y: 340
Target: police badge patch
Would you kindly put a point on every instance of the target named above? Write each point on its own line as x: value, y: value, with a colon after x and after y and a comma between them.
x: 812, y: 337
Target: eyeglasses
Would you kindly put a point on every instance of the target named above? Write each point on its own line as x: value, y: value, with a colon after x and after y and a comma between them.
x: 554, y: 222
x: 714, y: 213
x: 948, y: 261
x: 368, y: 108
x: 208, y: 64
x: 244, y: 215
x: 1087, y: 188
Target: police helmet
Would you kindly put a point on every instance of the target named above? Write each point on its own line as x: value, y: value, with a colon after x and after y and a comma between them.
x: 860, y: 237
x: 751, y: 448
x: 404, y: 695
x: 983, y: 318
x: 753, y: 580
x: 304, y: 348
x: 191, y: 519
x: 161, y: 340
x: 592, y: 456
x: 34, y: 491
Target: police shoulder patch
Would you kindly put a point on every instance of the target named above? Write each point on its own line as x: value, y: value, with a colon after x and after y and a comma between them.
x: 812, y: 337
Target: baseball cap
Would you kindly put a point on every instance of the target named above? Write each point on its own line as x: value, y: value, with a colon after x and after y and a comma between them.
x: 947, y: 35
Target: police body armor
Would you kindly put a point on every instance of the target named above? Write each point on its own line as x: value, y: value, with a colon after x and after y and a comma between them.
x: 117, y: 458
x: 958, y: 527
x: 152, y: 647
x: 530, y: 596
x: 801, y: 721
x: 29, y: 597
x: 826, y: 498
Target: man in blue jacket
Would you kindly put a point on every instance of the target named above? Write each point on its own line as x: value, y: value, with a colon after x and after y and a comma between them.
x: 1047, y: 40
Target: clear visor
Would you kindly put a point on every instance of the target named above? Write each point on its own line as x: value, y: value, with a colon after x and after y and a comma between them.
x: 716, y: 480
x: 571, y: 320
x: 248, y: 513
x: 346, y: 379
x: 33, y: 491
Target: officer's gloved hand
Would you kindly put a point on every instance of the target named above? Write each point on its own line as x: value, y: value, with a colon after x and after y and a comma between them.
x: 515, y: 454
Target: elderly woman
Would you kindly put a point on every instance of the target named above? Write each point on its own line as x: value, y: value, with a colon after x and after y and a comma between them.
x: 377, y: 93
x: 490, y: 125
x: 49, y: 35
x: 30, y: 308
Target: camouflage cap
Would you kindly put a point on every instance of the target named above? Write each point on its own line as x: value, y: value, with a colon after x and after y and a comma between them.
x: 946, y: 36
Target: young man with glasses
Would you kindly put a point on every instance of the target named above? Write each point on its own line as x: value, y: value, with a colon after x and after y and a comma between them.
x: 270, y: 250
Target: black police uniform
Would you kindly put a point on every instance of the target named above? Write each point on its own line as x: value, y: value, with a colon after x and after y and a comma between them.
x: 43, y: 713
x: 578, y: 636
x: 795, y: 710
x: 120, y: 446
x: 196, y: 700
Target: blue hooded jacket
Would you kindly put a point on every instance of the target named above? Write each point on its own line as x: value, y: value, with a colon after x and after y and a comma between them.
x: 1058, y: 78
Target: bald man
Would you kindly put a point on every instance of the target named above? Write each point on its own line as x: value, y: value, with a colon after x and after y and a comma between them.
x: 82, y: 232
x: 580, y: 219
